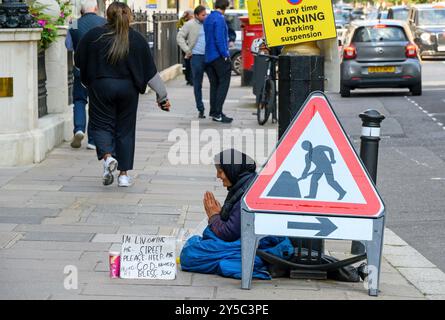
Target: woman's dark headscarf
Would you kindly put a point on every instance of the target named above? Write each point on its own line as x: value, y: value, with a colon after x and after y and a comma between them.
x: 239, y: 168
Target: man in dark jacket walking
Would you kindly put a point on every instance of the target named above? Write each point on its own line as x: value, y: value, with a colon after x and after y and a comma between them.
x: 79, y: 28
x: 217, y: 57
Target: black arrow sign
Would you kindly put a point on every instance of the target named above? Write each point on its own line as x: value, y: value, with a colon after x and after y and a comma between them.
x: 325, y: 227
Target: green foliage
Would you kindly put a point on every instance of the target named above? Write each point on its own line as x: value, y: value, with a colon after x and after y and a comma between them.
x: 48, y: 23
x: 66, y: 9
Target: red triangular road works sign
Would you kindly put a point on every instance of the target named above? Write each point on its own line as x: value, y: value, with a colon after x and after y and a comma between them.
x: 315, y: 170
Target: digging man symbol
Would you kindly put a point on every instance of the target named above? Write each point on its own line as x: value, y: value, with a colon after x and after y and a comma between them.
x: 323, y: 166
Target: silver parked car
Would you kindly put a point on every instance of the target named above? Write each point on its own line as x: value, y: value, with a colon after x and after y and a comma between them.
x: 380, y: 54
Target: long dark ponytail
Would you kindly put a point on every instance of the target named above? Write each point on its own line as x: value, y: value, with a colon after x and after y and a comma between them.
x: 119, y: 17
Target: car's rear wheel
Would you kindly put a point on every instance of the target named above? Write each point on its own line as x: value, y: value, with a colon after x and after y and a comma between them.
x: 237, y: 63
x: 416, y: 90
x: 345, y: 91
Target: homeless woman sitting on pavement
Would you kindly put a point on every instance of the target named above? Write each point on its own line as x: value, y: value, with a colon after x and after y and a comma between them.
x: 218, y: 251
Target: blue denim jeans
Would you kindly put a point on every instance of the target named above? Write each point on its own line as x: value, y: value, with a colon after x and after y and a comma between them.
x: 198, y: 69
x: 80, y: 99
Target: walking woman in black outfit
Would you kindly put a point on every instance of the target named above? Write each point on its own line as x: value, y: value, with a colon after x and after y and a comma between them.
x: 116, y: 65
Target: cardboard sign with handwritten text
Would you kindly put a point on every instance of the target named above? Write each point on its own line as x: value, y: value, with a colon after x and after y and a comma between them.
x: 148, y: 257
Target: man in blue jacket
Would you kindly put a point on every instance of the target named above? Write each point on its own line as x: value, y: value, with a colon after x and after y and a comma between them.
x: 88, y: 21
x: 217, y: 57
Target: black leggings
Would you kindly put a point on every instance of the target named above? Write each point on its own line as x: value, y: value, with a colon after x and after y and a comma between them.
x: 113, y: 110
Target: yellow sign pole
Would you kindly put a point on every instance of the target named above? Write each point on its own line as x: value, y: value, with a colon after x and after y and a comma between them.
x: 302, y: 49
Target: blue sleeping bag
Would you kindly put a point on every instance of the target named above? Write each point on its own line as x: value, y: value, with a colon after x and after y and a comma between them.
x: 209, y: 254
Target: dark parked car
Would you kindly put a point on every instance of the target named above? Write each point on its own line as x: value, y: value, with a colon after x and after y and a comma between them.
x: 235, y: 56
x: 342, y: 18
x: 375, y: 15
x: 234, y: 22
x: 358, y: 14
x: 398, y: 13
x: 383, y: 14
x: 380, y: 54
x: 427, y: 23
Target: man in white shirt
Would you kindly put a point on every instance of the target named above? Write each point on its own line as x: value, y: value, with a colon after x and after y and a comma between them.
x: 191, y: 40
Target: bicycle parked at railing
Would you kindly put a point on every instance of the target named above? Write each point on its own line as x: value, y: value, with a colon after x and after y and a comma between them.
x: 267, y: 100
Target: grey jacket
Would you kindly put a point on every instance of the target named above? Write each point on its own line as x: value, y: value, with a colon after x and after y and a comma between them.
x: 188, y: 35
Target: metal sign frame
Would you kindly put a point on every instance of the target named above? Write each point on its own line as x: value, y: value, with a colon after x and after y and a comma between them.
x: 250, y: 240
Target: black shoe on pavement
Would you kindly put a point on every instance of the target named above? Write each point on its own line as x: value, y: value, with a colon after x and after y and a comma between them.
x: 226, y: 119
x: 223, y: 119
x: 201, y: 115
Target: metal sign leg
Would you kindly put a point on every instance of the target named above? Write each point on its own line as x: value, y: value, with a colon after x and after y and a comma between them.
x: 249, y: 244
x: 374, y: 250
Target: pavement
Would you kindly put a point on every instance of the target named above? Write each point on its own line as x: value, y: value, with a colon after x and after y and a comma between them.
x: 57, y: 214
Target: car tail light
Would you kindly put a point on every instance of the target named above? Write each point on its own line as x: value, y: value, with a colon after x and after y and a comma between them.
x: 380, y: 26
x: 411, y: 51
x: 349, y: 52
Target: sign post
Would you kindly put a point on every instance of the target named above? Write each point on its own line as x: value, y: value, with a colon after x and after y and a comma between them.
x: 297, y: 25
x: 314, y: 186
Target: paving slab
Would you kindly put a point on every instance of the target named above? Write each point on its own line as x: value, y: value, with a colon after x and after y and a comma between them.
x: 36, y: 254
x: 171, y: 292
x: 41, y: 187
x: 26, y: 212
x: 58, y: 236
x: 139, y: 209
x: 401, y: 261
x: 55, y: 265
x: 66, y: 228
x: 5, y: 227
x: 107, y: 238
x: 116, y: 219
x: 21, y: 220
x: 103, y: 278
x: 60, y: 245
x: 8, y: 239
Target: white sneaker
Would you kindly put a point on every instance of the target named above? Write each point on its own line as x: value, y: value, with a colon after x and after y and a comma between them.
x: 109, y: 166
x: 77, y: 140
x: 91, y: 146
x: 125, y: 181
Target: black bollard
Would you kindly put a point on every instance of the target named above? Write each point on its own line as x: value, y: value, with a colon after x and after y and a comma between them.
x: 369, y: 153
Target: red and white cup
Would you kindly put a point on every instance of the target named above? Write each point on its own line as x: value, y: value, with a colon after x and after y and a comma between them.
x: 115, y: 264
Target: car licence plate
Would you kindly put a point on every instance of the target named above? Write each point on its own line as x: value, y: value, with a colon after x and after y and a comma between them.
x: 382, y: 69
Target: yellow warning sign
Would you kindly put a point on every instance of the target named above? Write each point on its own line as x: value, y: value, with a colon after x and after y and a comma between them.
x: 295, y: 21
x: 254, y: 12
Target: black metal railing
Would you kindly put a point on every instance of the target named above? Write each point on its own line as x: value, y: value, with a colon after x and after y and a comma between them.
x: 165, y: 48
x: 140, y: 22
x: 42, y: 92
